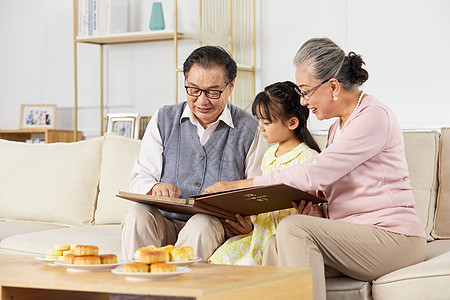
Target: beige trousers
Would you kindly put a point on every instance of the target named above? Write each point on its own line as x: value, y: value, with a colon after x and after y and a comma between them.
x: 144, y: 225
x: 359, y: 251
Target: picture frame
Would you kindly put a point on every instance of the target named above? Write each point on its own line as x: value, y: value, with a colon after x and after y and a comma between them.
x: 37, y: 116
x: 123, y: 124
x: 143, y: 123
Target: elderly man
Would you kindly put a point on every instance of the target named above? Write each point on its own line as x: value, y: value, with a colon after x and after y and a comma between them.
x: 188, y: 147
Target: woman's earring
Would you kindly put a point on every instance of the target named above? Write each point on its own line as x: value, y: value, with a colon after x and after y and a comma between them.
x: 334, y: 98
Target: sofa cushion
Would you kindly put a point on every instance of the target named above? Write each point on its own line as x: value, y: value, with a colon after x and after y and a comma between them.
x: 119, y: 155
x: 442, y: 220
x: 321, y: 139
x: 9, y: 228
x: 346, y: 288
x: 436, y: 248
x: 54, y: 183
x: 422, y: 150
x: 106, y: 237
x: 426, y: 280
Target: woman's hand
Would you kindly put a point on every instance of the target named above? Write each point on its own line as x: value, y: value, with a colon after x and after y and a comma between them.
x: 229, y: 185
x: 232, y: 228
x: 309, y: 208
x: 164, y: 189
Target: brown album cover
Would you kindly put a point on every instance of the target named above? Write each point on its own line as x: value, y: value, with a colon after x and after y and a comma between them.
x: 247, y: 201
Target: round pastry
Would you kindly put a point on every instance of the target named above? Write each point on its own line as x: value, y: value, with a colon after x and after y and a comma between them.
x: 87, y: 260
x: 55, y: 252
x: 149, y: 257
x: 62, y: 247
x: 85, y: 250
x: 108, y: 259
x: 49, y: 256
x: 185, y: 253
x: 138, y: 252
x: 135, y: 267
x: 68, y: 252
x: 69, y: 259
x: 169, y: 249
x: 162, y: 267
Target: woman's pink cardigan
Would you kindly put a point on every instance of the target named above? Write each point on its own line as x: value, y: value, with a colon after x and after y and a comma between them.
x: 363, y: 172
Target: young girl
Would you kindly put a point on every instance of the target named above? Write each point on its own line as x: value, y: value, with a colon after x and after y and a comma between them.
x: 282, y: 120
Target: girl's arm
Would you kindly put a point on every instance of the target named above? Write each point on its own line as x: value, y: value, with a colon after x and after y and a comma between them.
x: 229, y: 185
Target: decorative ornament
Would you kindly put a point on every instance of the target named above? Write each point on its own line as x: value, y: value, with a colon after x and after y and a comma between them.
x: 157, y: 17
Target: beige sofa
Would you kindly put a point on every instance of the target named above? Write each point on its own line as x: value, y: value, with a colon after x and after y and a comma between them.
x: 65, y: 193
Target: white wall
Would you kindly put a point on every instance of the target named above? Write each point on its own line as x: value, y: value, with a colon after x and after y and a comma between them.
x: 405, y: 44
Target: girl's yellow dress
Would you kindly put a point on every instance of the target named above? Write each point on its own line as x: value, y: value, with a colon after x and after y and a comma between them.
x: 247, y: 249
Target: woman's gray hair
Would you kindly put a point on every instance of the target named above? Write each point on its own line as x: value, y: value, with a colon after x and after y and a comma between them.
x: 323, y: 60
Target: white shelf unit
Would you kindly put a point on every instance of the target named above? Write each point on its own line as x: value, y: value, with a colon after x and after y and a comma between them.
x: 228, y: 23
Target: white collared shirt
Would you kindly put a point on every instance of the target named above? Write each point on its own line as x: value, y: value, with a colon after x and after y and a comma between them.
x: 205, y: 134
x: 148, y: 167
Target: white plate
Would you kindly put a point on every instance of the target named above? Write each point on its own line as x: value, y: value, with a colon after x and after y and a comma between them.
x: 144, y: 276
x: 47, y: 260
x: 185, y: 263
x: 89, y: 268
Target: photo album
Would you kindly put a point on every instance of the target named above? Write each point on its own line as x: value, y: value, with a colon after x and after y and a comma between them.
x: 247, y: 201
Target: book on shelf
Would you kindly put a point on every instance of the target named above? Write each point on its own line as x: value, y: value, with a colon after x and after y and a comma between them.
x: 83, y: 17
x: 116, y: 19
x: 93, y: 28
x: 246, y: 201
x: 101, y: 17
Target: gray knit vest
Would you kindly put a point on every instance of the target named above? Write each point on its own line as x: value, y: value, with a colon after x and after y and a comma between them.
x: 193, y: 167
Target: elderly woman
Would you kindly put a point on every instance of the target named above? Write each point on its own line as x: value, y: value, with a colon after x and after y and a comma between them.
x: 369, y: 227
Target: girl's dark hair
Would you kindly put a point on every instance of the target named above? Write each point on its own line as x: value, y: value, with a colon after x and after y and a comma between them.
x: 281, y: 100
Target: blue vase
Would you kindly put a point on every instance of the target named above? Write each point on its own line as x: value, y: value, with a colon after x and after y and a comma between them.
x: 157, y: 18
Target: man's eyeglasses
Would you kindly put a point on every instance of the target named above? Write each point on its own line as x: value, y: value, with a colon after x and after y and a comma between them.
x: 306, y: 95
x: 210, y: 94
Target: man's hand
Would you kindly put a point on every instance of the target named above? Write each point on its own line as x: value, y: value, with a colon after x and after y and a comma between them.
x: 165, y: 189
x: 309, y: 208
x: 232, y: 228
x: 229, y: 185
